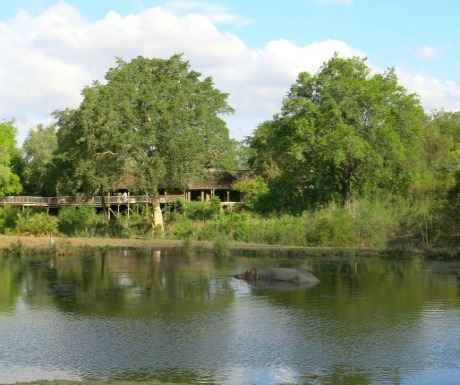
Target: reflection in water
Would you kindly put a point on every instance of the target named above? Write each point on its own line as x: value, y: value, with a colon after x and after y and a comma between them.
x: 143, y: 314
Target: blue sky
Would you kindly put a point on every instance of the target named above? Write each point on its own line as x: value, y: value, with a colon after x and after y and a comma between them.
x: 253, y: 49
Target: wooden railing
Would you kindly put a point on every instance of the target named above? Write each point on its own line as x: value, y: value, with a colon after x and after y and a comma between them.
x: 96, y: 201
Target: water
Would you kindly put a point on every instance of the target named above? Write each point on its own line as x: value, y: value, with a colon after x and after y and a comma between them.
x: 143, y: 314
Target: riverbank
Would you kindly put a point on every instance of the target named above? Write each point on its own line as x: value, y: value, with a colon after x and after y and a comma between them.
x: 43, y: 242
x: 240, y: 248
x: 65, y: 244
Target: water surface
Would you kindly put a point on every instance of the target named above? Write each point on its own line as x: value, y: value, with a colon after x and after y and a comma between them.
x: 143, y: 314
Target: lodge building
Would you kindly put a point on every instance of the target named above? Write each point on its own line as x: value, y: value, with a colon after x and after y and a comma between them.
x: 213, y: 185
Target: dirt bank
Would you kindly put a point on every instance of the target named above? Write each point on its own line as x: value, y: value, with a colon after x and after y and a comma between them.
x: 28, y: 241
x: 31, y: 242
x: 241, y: 248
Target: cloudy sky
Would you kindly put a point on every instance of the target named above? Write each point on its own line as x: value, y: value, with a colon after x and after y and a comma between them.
x: 253, y: 49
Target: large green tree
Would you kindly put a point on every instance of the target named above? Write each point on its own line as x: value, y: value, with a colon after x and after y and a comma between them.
x: 9, y: 180
x: 153, y: 119
x: 38, y: 155
x: 340, y: 132
x: 442, y: 149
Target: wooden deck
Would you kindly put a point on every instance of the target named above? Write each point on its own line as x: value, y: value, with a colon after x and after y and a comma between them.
x: 96, y: 201
x: 75, y: 201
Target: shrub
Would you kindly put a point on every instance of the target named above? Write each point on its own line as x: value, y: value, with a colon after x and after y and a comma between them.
x: 37, y: 224
x: 183, y: 229
x: 202, y: 211
x: 377, y: 220
x: 8, y: 218
x: 77, y: 221
x: 332, y: 226
x: 221, y: 247
x: 120, y: 228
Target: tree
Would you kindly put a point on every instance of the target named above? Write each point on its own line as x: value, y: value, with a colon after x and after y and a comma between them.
x: 252, y: 187
x: 442, y: 138
x: 343, y: 131
x: 38, y: 155
x: 9, y: 180
x: 154, y: 119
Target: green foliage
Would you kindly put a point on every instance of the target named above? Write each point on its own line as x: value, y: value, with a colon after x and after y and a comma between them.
x: 215, y: 204
x: 120, y: 228
x: 15, y: 249
x: 77, y: 221
x: 202, y: 210
x: 183, y: 228
x: 252, y: 188
x: 61, y: 247
x: 37, y: 224
x: 8, y: 218
x: 38, y: 152
x: 221, y: 247
x: 368, y: 223
x: 9, y: 180
x: 342, y: 133
x: 243, y: 154
x: 377, y: 220
x: 332, y: 226
x: 153, y: 116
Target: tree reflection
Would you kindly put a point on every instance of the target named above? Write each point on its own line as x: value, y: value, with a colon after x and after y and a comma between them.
x: 128, y: 283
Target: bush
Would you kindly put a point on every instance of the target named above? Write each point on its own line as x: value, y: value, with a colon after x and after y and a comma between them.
x: 378, y: 220
x: 332, y: 226
x: 120, y: 228
x: 8, y: 218
x: 202, y: 211
x: 221, y: 247
x: 80, y: 221
x: 183, y: 229
x: 37, y: 224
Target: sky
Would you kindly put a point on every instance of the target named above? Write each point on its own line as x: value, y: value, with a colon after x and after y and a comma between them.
x: 253, y: 49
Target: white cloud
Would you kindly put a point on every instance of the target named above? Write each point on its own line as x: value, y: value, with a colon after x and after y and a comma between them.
x: 47, y: 60
x: 50, y: 58
x: 216, y: 13
x: 427, y: 52
x: 434, y: 94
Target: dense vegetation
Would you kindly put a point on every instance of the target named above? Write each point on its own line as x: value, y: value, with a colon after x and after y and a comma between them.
x: 352, y: 159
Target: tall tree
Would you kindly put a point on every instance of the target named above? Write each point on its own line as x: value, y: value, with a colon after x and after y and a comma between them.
x: 155, y: 119
x: 9, y: 180
x: 343, y: 131
x: 443, y: 143
x: 38, y: 152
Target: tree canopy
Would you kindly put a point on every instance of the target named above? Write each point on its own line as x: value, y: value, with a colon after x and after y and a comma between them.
x: 38, y: 152
x: 153, y: 120
x: 9, y: 180
x: 341, y: 132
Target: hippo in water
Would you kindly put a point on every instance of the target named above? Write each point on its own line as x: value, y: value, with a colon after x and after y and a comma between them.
x: 281, y: 274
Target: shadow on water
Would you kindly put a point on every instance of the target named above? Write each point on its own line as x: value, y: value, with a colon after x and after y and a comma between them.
x: 133, y: 314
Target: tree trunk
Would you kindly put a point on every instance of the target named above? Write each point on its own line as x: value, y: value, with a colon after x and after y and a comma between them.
x: 157, y: 215
x: 346, y: 191
x: 104, y: 208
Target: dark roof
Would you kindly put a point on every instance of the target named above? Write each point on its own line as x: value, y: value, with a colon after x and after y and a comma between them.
x: 216, y: 180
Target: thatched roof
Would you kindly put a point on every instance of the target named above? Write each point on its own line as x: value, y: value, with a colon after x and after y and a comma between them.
x: 216, y: 180
x: 213, y: 180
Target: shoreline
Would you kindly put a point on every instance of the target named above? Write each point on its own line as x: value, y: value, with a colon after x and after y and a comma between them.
x: 47, y: 243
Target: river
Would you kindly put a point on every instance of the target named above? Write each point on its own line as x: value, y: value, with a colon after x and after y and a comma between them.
x: 142, y: 314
